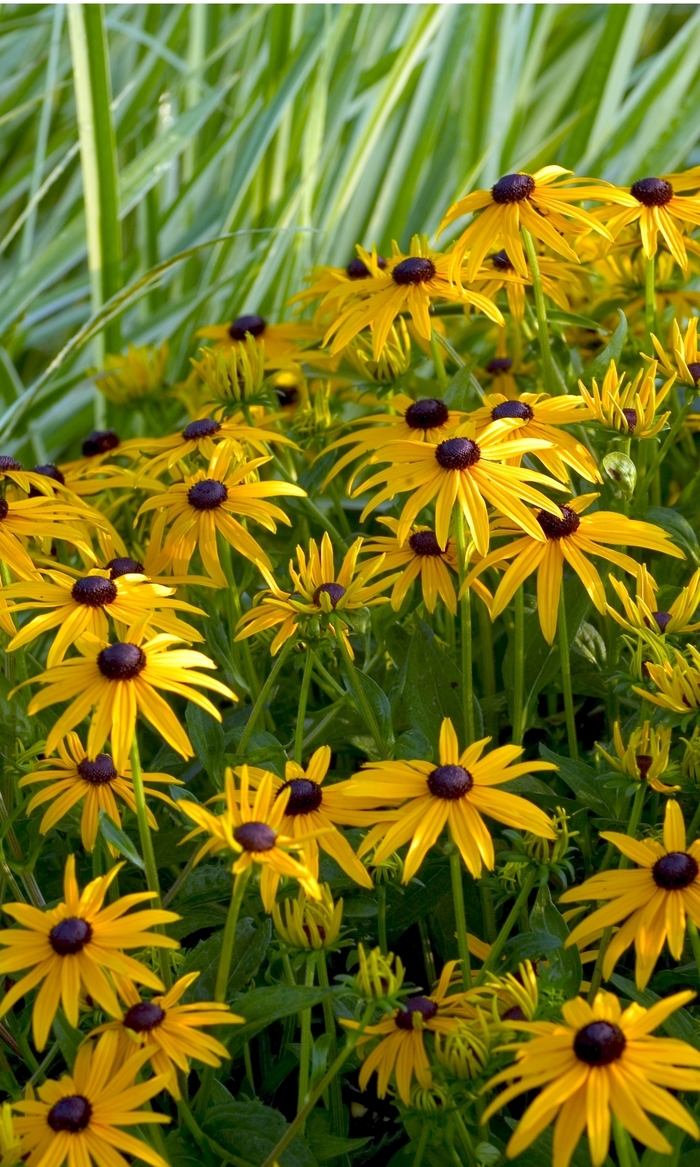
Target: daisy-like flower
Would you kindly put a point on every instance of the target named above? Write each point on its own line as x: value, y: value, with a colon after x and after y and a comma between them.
x: 645, y: 757
x: 169, y: 1031
x: 78, y: 945
x: 207, y: 435
x: 249, y: 827
x: 599, y: 1060
x: 313, y: 812
x: 456, y: 793
x: 38, y: 518
x: 571, y: 538
x: 677, y: 682
x: 409, y: 283
x: 279, y: 342
x: 642, y: 614
x: 683, y: 361
x: 395, y: 358
x: 73, y: 776
x: 628, y: 408
x: 538, y: 415
x: 206, y: 503
x: 560, y: 281
x: 79, y: 1118
x: 402, y: 1052
x: 323, y: 280
x: 426, y: 420
x: 81, y: 607
x: 460, y: 470
x: 420, y: 557
x: 120, y: 680
x: 659, y: 209
x: 132, y: 375
x: 543, y: 203
x: 318, y: 592
x: 10, y: 1143
x: 650, y: 902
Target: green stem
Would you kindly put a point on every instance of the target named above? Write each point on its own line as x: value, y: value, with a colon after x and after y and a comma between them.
x: 467, y: 1140
x: 694, y: 825
x: 460, y: 916
x: 487, y: 911
x: 440, y: 373
x: 321, y: 1086
x: 665, y: 447
x: 694, y: 943
x: 361, y: 703
x: 626, y: 1154
x: 303, y: 699
x: 563, y: 636
x: 465, y: 619
x: 263, y: 695
x: 146, y: 840
x: 381, y: 918
x: 650, y: 302
x: 548, y: 373
x: 420, y: 1148
x: 222, y: 974
x: 335, y: 1092
x: 519, y: 669
x: 305, y: 1050
x: 428, y: 957
x: 488, y: 668
x: 497, y: 947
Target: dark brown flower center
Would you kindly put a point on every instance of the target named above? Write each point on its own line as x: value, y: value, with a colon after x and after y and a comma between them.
x: 99, y: 772
x: 630, y: 416
x: 304, y: 795
x: 674, y: 871
x: 255, y: 325
x: 555, y: 528
x: 457, y: 454
x: 450, y: 782
x: 121, y: 662
x: 423, y: 1005
x: 207, y: 495
x: 425, y: 543
x: 694, y: 370
x: 47, y: 470
x: 123, y: 565
x: 286, y: 394
x: 501, y: 365
x: 94, y: 591
x: 663, y: 619
x: 357, y: 269
x: 515, y: 1013
x: 206, y: 427
x: 512, y: 188
x: 501, y: 261
x: 70, y: 1114
x: 517, y: 410
x: 426, y: 414
x: 144, y: 1017
x: 255, y: 837
x: 599, y: 1043
x: 334, y: 590
x: 414, y: 270
x: 8, y: 463
x: 644, y: 762
x: 70, y: 936
x: 100, y: 442
x: 652, y: 192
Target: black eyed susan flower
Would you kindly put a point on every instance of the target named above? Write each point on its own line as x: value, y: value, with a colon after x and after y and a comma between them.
x: 319, y: 592
x: 628, y: 408
x: 597, y: 1061
x: 204, y: 504
x: 420, y: 557
x: 208, y: 434
x: 309, y: 925
x: 79, y: 1118
x: 456, y: 793
x: 38, y: 518
x: 560, y: 281
x: 81, y: 607
x: 129, y: 376
x: 169, y: 1031
x: 78, y: 945
x: 249, y: 828
x: 683, y: 361
x: 120, y: 680
x: 537, y: 415
x: 645, y: 757
x: 410, y: 283
x: 323, y: 280
x: 650, y: 903
x: 677, y: 682
x: 543, y: 203
x: 281, y: 343
x: 464, y: 472
x: 659, y: 208
x: 642, y: 613
x: 571, y: 538
x: 73, y: 776
x: 395, y: 358
x: 10, y: 1142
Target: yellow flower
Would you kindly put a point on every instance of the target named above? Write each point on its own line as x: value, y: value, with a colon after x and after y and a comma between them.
x: 168, y: 1031
x: 420, y: 557
x: 323, y: 280
x: 227, y: 375
x: 250, y: 828
x: 456, y: 793
x: 560, y: 280
x: 394, y: 360
x: 79, y: 1118
x: 74, y: 775
x: 78, y: 945
x: 10, y: 1143
x: 678, y: 684
x: 628, y: 408
x: 643, y: 615
x: 599, y: 1060
x: 685, y: 360
x: 656, y: 206
x: 279, y: 342
x: 308, y: 925
x: 537, y: 415
x: 209, y: 435
x: 120, y: 680
x: 645, y: 757
x: 317, y: 594
x: 652, y: 900
x: 38, y: 518
x: 134, y: 374
x: 571, y: 539
x: 378, y: 977
x: 542, y: 203
x: 205, y: 504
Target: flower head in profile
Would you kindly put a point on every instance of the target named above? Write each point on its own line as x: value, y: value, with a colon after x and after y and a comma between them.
x: 456, y: 793
x: 210, y: 433
x: 599, y: 1060
x: 170, y: 1031
x: 394, y: 360
x: 249, y: 828
x: 42, y: 518
x: 78, y: 945
x: 560, y: 281
x: 280, y: 343
x: 318, y: 594
x: 683, y: 359
x: 80, y: 1117
x: 537, y: 415
x: 73, y: 776
x: 642, y: 613
x: 650, y: 903
x: 659, y: 206
x: 676, y: 681
x: 644, y: 757
x: 309, y: 925
x: 132, y: 375
x: 324, y: 279
x: 628, y: 407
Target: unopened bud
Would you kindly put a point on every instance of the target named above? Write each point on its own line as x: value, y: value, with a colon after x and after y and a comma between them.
x: 375, y: 977
x: 622, y: 471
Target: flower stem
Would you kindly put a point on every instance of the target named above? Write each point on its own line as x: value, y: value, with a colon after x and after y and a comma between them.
x: 428, y: 958
x: 234, y: 908
x: 303, y: 699
x: 664, y: 449
x: 519, y: 669
x: 361, y: 703
x: 488, y: 668
x: 305, y: 1050
x: 563, y: 635
x: 381, y: 918
x: 440, y: 373
x: 650, y: 301
x: 465, y: 619
x: 263, y: 695
x: 420, y: 1147
x: 460, y: 917
x: 146, y: 840
x: 694, y: 942
x: 498, y: 945
x: 335, y: 1092
x: 548, y: 374
x: 626, y: 1154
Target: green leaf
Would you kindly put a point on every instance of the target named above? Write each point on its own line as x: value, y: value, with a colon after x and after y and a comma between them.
x: 207, y: 737
x: 676, y: 1138
x: 249, y: 949
x: 460, y: 393
x: 119, y: 839
x: 599, y: 366
x: 584, y: 781
x: 678, y: 528
x: 325, y: 1145
x: 679, y: 1024
x: 564, y: 963
x: 530, y: 946
x: 419, y: 899
x: 376, y: 699
x: 251, y: 1130
x: 432, y: 688
x: 262, y: 1006
x: 69, y: 1039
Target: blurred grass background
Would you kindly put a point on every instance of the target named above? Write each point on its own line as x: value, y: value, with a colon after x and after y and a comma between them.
x: 142, y: 132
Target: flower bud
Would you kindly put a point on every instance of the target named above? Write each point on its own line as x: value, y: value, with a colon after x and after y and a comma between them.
x: 465, y: 1052
x: 308, y: 924
x: 622, y: 471
x: 375, y: 977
